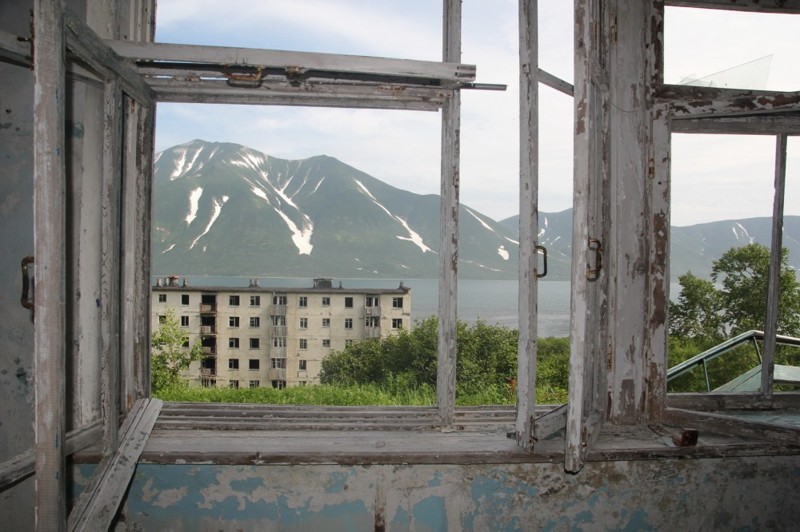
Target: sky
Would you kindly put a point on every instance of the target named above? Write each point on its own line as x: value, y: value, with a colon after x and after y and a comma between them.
x: 713, y: 177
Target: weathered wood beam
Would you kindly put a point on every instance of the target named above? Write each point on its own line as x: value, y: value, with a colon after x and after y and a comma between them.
x: 144, y: 207
x: 788, y: 123
x: 733, y: 401
x: 89, y: 48
x: 295, y: 62
x: 728, y: 424
x: 97, y: 506
x: 21, y: 466
x: 588, y: 304
x: 546, y: 78
x: 49, y: 234
x: 448, y: 228
x: 109, y: 261
x: 14, y: 49
x: 689, y: 102
x: 774, y: 282
x: 548, y: 424
x: 528, y: 220
x: 760, y: 6
x: 381, y: 97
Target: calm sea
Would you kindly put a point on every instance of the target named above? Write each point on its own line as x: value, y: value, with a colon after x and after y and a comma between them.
x: 491, y: 301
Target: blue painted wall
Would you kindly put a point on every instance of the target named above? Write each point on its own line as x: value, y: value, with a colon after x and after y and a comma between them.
x: 733, y: 494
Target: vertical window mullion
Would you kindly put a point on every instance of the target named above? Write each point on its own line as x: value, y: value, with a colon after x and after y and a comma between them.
x: 528, y: 220
x: 773, y: 287
x: 448, y: 241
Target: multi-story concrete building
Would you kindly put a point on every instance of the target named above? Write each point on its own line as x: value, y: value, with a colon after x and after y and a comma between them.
x: 276, y: 337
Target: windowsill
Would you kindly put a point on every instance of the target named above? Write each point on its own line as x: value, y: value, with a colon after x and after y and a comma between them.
x: 265, y: 434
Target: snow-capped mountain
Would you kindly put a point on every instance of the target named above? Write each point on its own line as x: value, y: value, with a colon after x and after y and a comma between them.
x: 225, y: 209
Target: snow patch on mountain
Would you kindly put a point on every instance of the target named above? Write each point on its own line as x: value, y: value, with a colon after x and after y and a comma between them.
x: 301, y: 237
x: 216, y: 209
x: 168, y: 249
x: 503, y: 252
x: 744, y: 233
x: 484, y: 224
x: 183, y: 164
x: 512, y: 241
x: 318, y: 184
x: 412, y: 237
x: 260, y: 193
x: 194, y: 199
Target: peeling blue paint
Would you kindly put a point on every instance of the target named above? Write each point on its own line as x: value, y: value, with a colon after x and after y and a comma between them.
x: 402, y: 519
x: 337, y: 482
x: 430, y: 514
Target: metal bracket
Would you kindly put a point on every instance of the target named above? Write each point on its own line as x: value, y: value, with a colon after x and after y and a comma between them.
x: 594, y: 273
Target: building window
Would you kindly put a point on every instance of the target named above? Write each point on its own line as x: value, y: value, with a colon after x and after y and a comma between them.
x: 233, y: 321
x: 303, y: 343
x: 279, y: 321
x: 326, y: 302
x: 348, y: 302
x: 255, y: 321
x: 304, y: 323
x: 302, y: 364
x: 278, y: 300
x: 397, y: 302
x: 233, y: 343
x: 255, y: 343
x: 233, y: 301
x: 209, y: 383
x: 372, y: 301
x: 233, y: 363
x: 278, y: 363
x: 234, y: 384
x: 278, y: 341
x: 280, y: 385
x: 184, y: 321
x: 184, y: 299
x: 373, y: 321
x: 162, y: 318
x: 162, y: 298
x: 254, y: 384
x: 326, y: 343
x: 348, y: 323
x: 303, y: 302
x: 326, y: 322
x: 348, y: 343
x: 397, y: 323
x: 254, y: 364
x: 255, y: 301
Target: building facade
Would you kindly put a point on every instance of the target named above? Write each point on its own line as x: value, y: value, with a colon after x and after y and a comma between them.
x: 276, y: 337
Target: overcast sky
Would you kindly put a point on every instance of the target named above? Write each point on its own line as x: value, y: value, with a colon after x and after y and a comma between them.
x: 713, y: 177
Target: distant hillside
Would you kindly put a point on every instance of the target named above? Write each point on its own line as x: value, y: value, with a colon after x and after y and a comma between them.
x: 692, y: 248
x: 225, y: 209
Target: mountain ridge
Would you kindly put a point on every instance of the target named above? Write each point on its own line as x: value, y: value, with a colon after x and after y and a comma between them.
x: 226, y: 209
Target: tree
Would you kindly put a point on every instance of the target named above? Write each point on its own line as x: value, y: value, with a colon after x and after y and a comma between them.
x: 698, y: 312
x: 735, y: 300
x: 743, y: 274
x: 170, y: 353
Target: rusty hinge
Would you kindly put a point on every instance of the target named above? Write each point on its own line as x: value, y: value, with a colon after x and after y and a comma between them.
x: 26, y: 300
x: 594, y: 273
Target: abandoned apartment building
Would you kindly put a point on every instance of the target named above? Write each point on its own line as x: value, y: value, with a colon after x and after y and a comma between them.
x: 275, y: 337
x: 84, y: 447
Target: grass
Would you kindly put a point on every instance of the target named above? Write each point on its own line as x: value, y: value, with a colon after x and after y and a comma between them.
x: 355, y: 395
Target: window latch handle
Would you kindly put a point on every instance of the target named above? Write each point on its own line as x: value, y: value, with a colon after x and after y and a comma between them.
x: 544, y: 260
